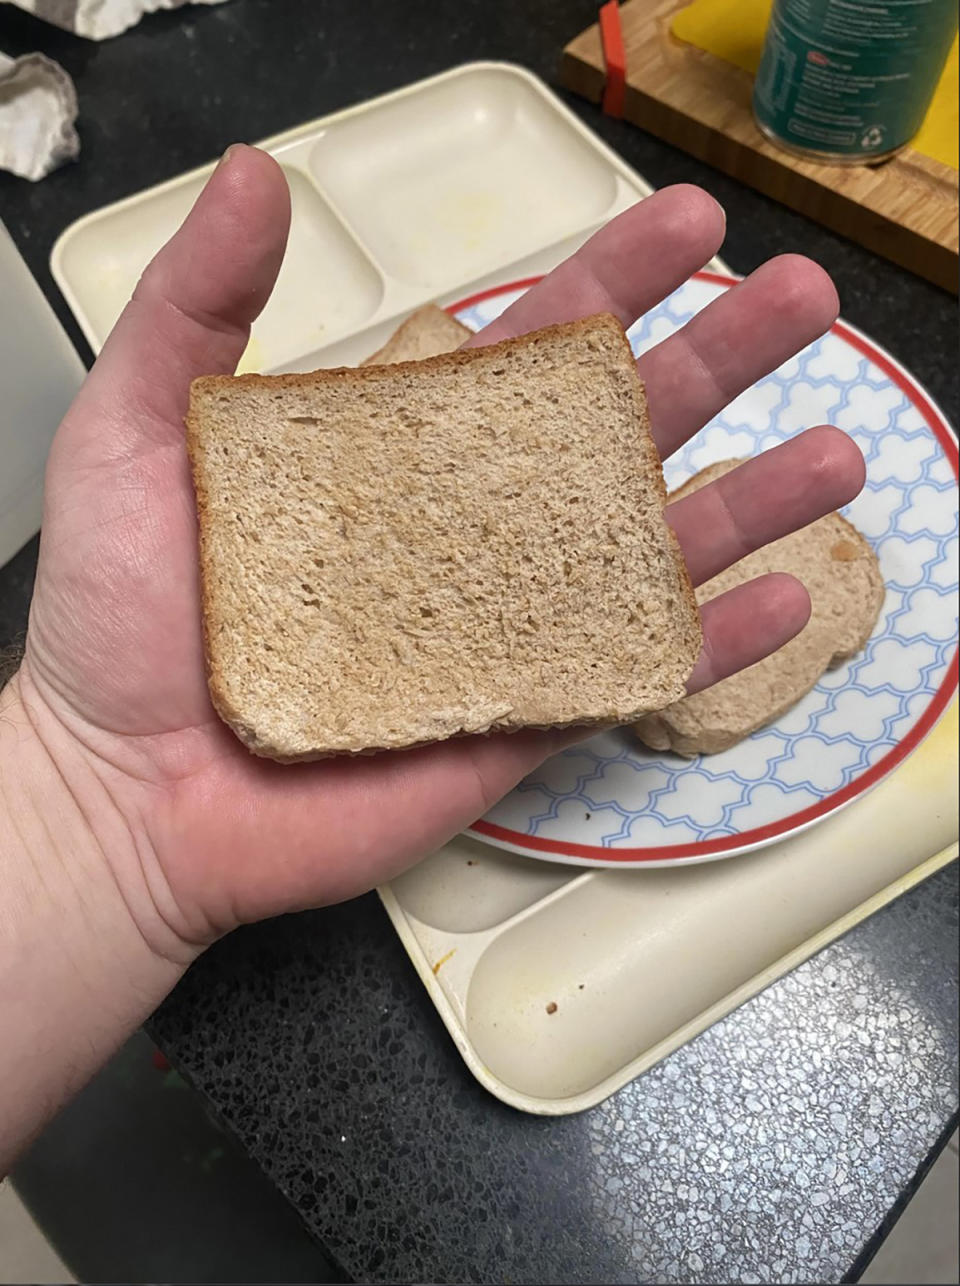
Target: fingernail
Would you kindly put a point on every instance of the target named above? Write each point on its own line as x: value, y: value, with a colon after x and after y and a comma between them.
x: 231, y: 150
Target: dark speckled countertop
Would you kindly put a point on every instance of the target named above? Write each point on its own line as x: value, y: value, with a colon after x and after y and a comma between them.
x: 778, y: 1146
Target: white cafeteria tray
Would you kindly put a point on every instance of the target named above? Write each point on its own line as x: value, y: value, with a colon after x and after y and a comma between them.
x: 474, y: 177
x: 557, y: 986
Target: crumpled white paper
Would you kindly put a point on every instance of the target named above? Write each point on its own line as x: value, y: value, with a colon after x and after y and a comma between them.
x: 98, y: 19
x: 38, y: 102
x: 38, y: 107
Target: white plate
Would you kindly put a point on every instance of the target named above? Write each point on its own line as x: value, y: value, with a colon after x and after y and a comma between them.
x: 612, y: 802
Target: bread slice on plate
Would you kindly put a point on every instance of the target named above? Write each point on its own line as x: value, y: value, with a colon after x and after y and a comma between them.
x: 425, y: 333
x: 398, y: 554
x: 842, y: 576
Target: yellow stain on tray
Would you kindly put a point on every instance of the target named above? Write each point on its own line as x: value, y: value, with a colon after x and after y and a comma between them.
x: 934, y: 763
x: 735, y: 34
x: 252, y: 359
x: 470, y: 216
x: 443, y: 960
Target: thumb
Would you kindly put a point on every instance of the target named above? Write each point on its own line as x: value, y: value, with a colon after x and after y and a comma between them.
x: 190, y: 313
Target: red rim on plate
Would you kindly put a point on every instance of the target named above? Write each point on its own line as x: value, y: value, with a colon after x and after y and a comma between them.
x: 837, y: 799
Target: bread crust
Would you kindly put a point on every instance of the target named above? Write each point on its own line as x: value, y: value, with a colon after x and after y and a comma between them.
x: 708, y: 723
x: 262, y: 742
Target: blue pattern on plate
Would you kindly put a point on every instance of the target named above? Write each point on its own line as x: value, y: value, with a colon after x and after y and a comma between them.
x: 611, y: 793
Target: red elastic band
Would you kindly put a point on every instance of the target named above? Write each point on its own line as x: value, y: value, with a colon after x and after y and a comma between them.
x: 614, y: 57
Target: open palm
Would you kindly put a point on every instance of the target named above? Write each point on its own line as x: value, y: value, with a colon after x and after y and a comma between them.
x: 213, y: 836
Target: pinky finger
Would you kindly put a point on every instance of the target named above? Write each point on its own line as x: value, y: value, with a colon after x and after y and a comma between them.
x: 746, y: 624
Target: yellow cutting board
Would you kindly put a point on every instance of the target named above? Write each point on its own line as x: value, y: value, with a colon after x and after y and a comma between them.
x: 696, y: 92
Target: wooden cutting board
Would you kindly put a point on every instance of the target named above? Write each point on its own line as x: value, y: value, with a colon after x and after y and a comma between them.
x: 904, y: 209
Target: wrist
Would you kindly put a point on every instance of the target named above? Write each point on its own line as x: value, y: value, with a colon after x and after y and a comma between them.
x: 78, y: 972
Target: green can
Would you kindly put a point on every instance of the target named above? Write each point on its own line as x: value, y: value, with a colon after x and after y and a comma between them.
x: 848, y: 82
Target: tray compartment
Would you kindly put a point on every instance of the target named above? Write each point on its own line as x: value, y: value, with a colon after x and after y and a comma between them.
x: 471, y: 173
x: 99, y: 259
x: 326, y: 286
x: 637, y: 962
x: 468, y: 886
x: 334, y: 302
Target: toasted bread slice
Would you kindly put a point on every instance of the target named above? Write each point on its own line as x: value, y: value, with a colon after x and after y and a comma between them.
x: 398, y: 554
x: 426, y: 333
x: 842, y: 577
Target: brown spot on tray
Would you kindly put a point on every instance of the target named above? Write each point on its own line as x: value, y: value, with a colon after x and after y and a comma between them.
x: 552, y: 1007
x: 443, y: 960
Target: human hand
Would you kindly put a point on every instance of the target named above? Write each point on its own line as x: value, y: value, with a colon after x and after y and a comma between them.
x: 203, y: 835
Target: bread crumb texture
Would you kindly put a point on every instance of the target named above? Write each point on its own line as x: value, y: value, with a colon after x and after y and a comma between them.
x: 399, y: 554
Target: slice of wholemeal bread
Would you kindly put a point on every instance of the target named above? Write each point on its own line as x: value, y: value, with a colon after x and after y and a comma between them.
x: 842, y: 577
x: 426, y: 333
x: 399, y: 554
